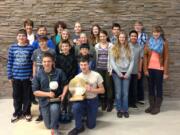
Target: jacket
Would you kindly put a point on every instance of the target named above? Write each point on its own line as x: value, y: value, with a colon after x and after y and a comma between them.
x: 164, y: 57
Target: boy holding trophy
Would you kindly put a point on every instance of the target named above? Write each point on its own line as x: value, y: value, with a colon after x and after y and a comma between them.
x: 89, y: 106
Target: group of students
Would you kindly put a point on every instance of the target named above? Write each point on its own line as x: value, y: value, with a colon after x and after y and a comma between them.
x: 113, y: 67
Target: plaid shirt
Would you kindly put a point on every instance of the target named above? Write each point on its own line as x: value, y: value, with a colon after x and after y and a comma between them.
x: 142, y: 39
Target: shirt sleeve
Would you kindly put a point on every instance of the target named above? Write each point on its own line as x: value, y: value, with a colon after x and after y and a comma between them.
x: 36, y: 83
x: 99, y: 79
x: 34, y: 56
x: 141, y: 52
x: 113, y: 64
x: 63, y: 79
x: 10, y: 64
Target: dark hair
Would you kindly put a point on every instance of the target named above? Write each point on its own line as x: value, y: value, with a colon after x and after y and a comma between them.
x: 48, y: 54
x: 116, y: 25
x: 28, y: 22
x: 133, y: 31
x: 105, y: 32
x: 66, y: 42
x: 84, y: 59
x: 84, y: 46
x: 22, y: 31
x: 42, y: 26
x: 62, y: 24
x: 43, y: 37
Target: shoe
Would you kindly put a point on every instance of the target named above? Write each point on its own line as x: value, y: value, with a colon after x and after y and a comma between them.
x: 39, y: 119
x: 28, y: 117
x: 34, y: 102
x: 119, y: 114
x: 126, y: 114
x: 141, y: 102
x: 76, y: 131
x: 55, y: 132
x: 109, y: 105
x: 151, y: 104
x: 14, y: 119
x: 134, y: 106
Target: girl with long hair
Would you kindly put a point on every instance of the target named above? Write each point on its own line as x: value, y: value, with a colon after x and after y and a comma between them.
x: 121, y: 60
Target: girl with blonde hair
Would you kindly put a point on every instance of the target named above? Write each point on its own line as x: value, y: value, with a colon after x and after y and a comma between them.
x: 121, y: 61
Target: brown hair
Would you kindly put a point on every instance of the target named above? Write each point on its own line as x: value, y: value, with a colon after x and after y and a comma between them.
x: 61, y: 23
x: 28, y: 22
x: 158, y: 28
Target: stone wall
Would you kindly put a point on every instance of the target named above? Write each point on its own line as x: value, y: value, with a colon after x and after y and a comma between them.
x: 104, y: 12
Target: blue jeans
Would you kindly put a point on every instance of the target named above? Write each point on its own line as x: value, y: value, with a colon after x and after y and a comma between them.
x: 88, y: 107
x: 51, y: 114
x: 121, y: 92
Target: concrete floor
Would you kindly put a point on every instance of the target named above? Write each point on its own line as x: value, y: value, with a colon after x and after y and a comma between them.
x: 139, y: 123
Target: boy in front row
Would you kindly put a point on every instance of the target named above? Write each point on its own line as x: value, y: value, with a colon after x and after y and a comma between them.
x: 41, y: 89
x: 19, y: 70
x: 89, y: 106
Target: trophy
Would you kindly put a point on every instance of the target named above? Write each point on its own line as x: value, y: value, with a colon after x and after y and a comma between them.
x: 77, y: 89
x: 53, y: 85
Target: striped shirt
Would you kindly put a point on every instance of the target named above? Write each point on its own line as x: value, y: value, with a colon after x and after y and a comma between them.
x: 102, y: 58
x: 19, y: 64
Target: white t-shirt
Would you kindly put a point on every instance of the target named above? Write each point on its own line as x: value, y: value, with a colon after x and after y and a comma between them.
x: 31, y: 38
x: 94, y: 79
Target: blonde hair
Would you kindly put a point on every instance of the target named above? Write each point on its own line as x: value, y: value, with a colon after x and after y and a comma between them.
x: 116, y: 49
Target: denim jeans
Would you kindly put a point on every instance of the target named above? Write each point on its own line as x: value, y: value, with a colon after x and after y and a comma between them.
x: 121, y: 92
x: 51, y: 114
x: 88, y: 107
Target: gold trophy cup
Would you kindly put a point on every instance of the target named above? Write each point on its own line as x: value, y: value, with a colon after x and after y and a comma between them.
x: 77, y: 89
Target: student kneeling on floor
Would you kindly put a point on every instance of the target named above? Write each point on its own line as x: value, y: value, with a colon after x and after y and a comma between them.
x: 89, y: 105
x: 41, y: 89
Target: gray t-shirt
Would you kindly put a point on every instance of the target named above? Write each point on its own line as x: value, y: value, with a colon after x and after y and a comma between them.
x: 138, y: 53
x: 37, y: 57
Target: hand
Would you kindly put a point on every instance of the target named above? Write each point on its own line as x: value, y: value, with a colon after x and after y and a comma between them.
x: 110, y: 73
x: 121, y: 76
x: 88, y: 88
x: 78, y: 42
x: 139, y: 75
x: 11, y: 81
x: 165, y: 76
x: 146, y: 73
x: 51, y: 94
x: 125, y: 76
x: 62, y: 97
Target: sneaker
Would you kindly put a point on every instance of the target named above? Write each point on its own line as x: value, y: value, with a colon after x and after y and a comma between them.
x: 126, y: 114
x: 55, y: 132
x: 119, y: 114
x: 76, y: 131
x: 28, y: 117
x: 34, y: 102
x: 141, y: 102
x: 14, y: 119
x: 39, y: 119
